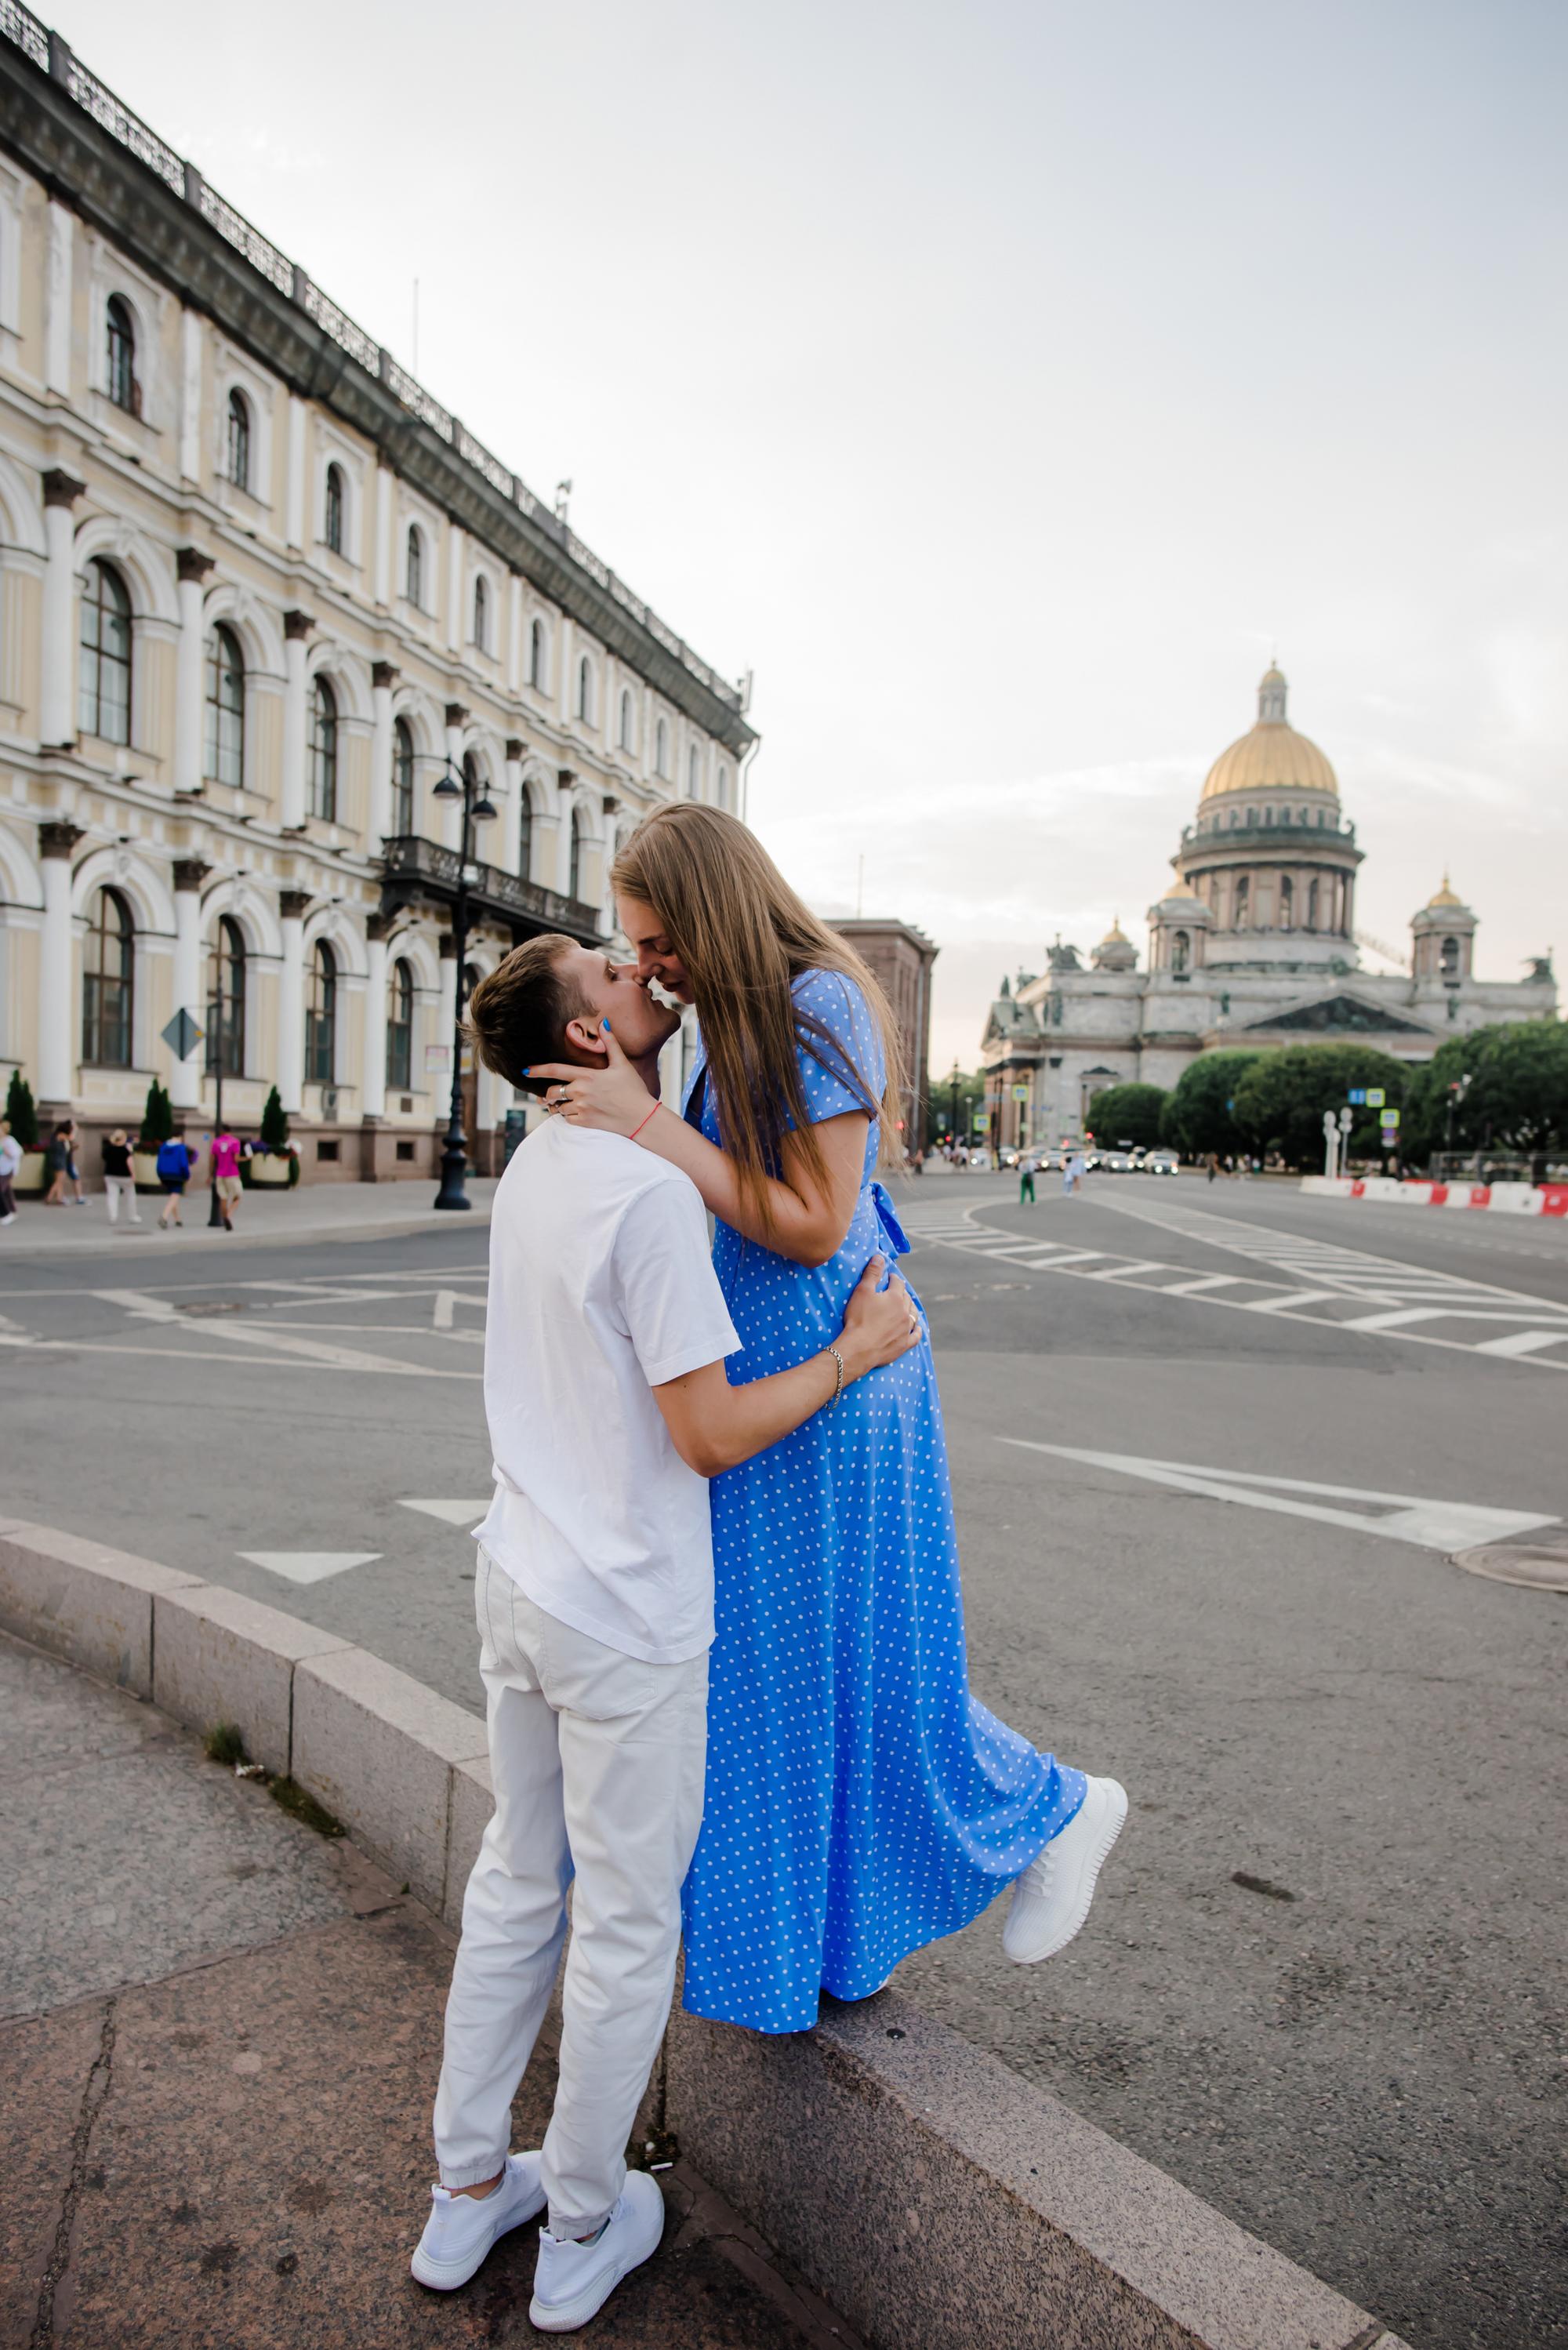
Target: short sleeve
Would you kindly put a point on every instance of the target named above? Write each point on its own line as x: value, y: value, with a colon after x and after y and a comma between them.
x: 838, y: 1048
x: 665, y: 1286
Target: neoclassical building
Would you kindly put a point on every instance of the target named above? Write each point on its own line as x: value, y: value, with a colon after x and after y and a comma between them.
x: 259, y: 595
x: 1254, y: 945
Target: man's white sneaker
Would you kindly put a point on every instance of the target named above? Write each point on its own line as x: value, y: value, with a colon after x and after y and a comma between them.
x: 1050, y: 1900
x: 462, y: 2229
x: 572, y: 2281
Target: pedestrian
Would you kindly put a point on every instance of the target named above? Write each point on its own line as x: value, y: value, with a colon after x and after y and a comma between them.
x: 58, y: 1159
x: 1212, y: 1165
x: 608, y: 1407
x: 73, y: 1171
x: 175, y: 1160
x: 226, y: 1152
x: 1072, y: 1171
x: 1026, y: 1166
x: 10, y: 1166
x: 861, y: 1800
x: 119, y: 1177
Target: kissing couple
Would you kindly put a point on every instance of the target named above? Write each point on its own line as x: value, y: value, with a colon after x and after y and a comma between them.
x: 719, y: 1618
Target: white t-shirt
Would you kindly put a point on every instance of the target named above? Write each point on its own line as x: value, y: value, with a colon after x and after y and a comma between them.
x: 600, y: 1289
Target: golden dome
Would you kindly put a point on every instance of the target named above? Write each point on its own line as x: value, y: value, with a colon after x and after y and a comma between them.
x: 1274, y: 756
x: 1445, y: 896
x: 1115, y: 936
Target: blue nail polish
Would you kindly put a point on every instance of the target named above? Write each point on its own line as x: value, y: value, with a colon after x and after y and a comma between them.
x: 524, y: 1072
x: 604, y: 1023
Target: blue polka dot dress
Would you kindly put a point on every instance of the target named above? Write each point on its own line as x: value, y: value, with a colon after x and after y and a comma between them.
x: 860, y: 1802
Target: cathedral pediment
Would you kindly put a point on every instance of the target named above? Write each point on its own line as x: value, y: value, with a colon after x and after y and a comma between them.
x: 1340, y: 1015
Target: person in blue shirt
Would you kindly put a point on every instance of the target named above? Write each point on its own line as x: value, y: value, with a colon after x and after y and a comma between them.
x: 860, y: 1800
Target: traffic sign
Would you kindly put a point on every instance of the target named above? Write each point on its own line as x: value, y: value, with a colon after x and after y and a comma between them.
x: 1356, y: 1097
x: 1020, y: 1093
x: 1387, y: 1119
x: 182, y: 1035
x: 1376, y: 1097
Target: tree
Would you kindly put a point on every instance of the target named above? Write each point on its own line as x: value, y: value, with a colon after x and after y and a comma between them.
x: 158, y: 1117
x: 275, y: 1122
x: 1517, y: 1097
x: 939, y: 1112
x: 1281, y: 1101
x: 1197, y: 1117
x: 1130, y: 1114
x: 21, y: 1111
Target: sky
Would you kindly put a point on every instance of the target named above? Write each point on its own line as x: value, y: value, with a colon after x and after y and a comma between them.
x: 1003, y: 385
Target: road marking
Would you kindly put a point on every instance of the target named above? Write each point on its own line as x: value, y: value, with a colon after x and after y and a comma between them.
x: 453, y: 1513
x: 1521, y: 1342
x: 308, y: 1566
x: 140, y: 1306
x: 1433, y: 1525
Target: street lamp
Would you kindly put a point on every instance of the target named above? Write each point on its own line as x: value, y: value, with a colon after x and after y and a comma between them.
x: 953, y: 1082
x: 477, y: 808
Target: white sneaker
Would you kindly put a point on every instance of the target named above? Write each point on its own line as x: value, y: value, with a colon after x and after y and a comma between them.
x: 1050, y: 1900
x: 462, y: 2229
x: 572, y: 2281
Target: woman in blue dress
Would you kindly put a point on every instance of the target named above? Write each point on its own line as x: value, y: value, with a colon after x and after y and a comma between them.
x: 860, y: 1802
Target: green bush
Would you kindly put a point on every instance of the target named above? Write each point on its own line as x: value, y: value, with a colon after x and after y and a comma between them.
x: 1130, y: 1114
x: 1197, y: 1118
x: 275, y: 1121
x: 157, y: 1117
x: 21, y: 1111
x: 1282, y: 1099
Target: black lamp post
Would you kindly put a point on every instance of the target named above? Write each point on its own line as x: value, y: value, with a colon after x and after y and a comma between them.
x: 215, y: 1041
x: 477, y: 808
x: 953, y: 1085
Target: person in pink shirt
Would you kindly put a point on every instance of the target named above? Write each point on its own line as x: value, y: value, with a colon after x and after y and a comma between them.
x: 226, y: 1174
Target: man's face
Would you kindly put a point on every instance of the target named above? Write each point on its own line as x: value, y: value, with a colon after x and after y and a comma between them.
x: 656, y: 958
x: 613, y: 992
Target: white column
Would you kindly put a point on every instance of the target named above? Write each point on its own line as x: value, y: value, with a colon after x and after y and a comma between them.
x: 296, y: 627
x: 514, y: 633
x: 454, y: 612
x: 191, y: 395
x: 384, y: 555
x: 563, y: 833
x: 564, y: 676
x: 58, y: 337
x: 291, y: 1002
x: 296, y: 502
x: 383, y: 677
x: 56, y: 843
x: 511, y: 855
x: 193, y: 567
x: 452, y: 810
x: 57, y: 715
x: 185, y: 1083
x: 446, y: 1018
x: 373, y: 1089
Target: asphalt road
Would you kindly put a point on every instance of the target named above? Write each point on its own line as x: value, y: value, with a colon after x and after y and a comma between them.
x: 1243, y: 1606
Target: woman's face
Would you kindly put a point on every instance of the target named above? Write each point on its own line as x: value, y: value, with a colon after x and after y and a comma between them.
x: 656, y: 958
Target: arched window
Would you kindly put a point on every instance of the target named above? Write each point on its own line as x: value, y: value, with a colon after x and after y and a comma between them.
x: 524, y: 836
x: 537, y: 654
x: 1181, y: 951
x: 239, y: 464
x: 575, y: 861
x: 103, y: 685
x: 332, y: 519
x: 399, y: 1027
x: 724, y: 787
x: 1287, y: 903
x: 625, y: 720
x: 661, y: 749
x: 482, y: 616
x: 224, y: 759
x: 108, y: 965
x: 1312, y: 906
x: 321, y: 1018
x: 585, y: 689
x: 226, y: 996
x: 414, y: 569
x: 322, y: 751
x: 402, y: 778
x: 693, y: 774
x: 119, y: 378
x: 1449, y: 959
x: 1243, y: 910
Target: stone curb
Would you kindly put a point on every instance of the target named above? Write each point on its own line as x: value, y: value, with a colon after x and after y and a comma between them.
x: 934, y: 2197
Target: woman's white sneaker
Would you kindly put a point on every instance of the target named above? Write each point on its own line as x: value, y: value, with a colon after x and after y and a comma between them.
x: 572, y: 2281
x: 462, y: 2229
x: 1050, y: 1900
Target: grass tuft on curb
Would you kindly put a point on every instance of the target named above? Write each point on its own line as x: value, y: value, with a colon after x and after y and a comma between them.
x: 291, y: 1796
x: 225, y: 1743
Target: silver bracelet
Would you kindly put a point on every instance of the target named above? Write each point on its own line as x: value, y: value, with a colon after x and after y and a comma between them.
x: 838, y: 1366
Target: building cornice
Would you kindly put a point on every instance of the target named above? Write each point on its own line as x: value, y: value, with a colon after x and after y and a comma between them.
x: 125, y: 181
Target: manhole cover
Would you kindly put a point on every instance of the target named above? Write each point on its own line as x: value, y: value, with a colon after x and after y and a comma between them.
x: 1537, y: 1565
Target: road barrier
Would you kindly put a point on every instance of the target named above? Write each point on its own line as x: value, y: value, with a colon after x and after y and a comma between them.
x: 1513, y: 1198
x: 938, y: 2200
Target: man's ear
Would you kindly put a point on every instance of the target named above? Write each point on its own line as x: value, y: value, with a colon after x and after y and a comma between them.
x: 582, y: 1036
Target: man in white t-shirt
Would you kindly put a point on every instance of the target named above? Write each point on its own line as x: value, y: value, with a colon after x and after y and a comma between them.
x: 608, y: 1410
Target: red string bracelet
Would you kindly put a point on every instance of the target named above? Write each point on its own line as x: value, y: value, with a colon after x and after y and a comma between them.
x: 638, y: 1130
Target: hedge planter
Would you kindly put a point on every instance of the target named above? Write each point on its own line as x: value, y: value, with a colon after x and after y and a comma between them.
x: 274, y: 1170
x: 144, y: 1171
x: 30, y: 1177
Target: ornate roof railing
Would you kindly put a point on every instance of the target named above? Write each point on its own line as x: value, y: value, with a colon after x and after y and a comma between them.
x: 53, y: 55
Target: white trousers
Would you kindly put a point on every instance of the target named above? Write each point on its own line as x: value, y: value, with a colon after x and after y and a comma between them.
x: 121, y: 1187
x: 597, y: 1761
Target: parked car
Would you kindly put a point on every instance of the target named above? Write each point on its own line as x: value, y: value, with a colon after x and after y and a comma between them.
x: 1161, y: 1162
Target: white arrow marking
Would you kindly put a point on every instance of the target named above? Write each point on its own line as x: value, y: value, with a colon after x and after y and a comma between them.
x: 1434, y: 1525
x: 308, y: 1566
x: 452, y: 1514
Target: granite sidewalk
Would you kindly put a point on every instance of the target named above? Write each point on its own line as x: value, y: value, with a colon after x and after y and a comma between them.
x: 219, y: 2036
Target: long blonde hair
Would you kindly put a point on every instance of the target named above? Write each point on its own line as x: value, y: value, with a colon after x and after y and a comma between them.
x: 743, y: 938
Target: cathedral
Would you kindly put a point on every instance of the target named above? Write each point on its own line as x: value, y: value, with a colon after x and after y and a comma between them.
x: 1254, y: 945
